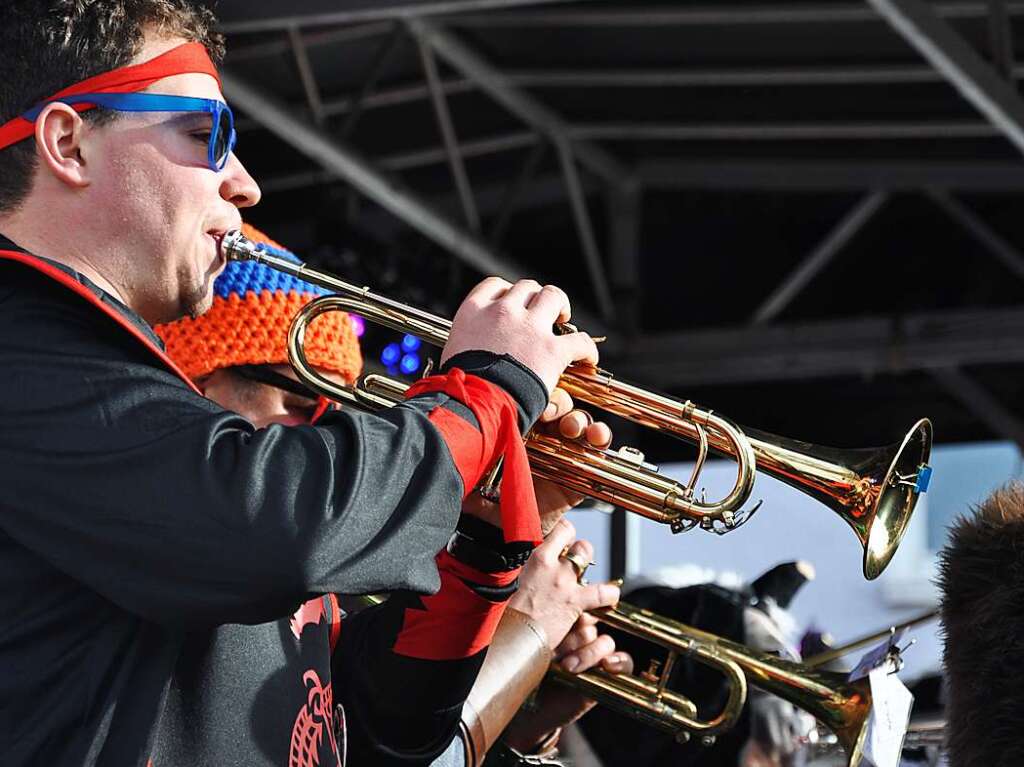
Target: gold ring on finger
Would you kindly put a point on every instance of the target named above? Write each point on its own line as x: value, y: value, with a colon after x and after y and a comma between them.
x: 578, y: 562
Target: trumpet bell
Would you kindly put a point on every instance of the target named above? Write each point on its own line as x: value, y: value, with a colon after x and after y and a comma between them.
x: 906, y: 478
x: 874, y: 490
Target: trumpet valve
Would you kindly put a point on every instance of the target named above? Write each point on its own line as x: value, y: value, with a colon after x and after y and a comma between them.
x: 633, y: 457
x: 653, y: 672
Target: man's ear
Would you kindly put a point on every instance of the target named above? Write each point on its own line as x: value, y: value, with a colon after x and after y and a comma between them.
x: 201, y: 383
x: 59, y: 130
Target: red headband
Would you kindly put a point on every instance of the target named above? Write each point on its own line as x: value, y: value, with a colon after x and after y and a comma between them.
x: 184, y: 59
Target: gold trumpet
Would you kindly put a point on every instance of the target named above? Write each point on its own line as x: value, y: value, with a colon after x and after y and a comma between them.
x: 844, y: 707
x: 646, y: 696
x: 873, y: 490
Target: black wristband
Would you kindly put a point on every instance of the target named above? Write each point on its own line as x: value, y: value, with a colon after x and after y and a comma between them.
x: 481, y: 546
x: 521, y: 383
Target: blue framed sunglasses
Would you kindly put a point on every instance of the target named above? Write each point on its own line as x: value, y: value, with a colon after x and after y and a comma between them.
x: 222, y: 129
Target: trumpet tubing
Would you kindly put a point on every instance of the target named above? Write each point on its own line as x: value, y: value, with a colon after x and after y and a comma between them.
x: 873, y: 490
x: 844, y: 707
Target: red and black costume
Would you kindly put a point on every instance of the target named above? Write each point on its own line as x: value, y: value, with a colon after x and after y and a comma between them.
x: 136, y: 516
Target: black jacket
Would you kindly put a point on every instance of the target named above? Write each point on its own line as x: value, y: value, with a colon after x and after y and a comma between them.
x: 133, y: 511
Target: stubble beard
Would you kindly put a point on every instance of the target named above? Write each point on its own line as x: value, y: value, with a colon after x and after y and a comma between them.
x: 197, y: 300
x: 195, y: 295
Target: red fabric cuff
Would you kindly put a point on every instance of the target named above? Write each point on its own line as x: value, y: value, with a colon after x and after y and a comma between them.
x: 476, y: 452
x: 456, y: 622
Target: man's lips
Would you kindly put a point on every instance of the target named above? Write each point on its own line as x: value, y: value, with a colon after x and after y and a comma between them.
x: 220, y: 261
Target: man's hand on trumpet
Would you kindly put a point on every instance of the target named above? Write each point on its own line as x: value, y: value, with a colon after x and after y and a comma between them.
x: 519, y: 320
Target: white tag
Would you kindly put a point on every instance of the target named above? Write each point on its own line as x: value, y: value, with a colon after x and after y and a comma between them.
x: 875, y: 658
x: 891, y: 702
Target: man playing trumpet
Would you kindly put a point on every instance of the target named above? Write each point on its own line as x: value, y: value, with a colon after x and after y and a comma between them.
x: 135, y: 510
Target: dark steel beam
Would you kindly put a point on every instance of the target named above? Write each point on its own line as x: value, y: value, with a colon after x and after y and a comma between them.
x: 790, y: 175
x: 976, y: 398
x: 708, y: 15
x: 527, y: 108
x: 722, y: 77
x: 419, y: 158
x: 242, y: 52
x: 675, y: 172
x: 585, y: 230
x: 306, y: 75
x: 369, y: 79
x: 514, y: 194
x: 247, y: 16
x: 944, y: 48
x: 340, y: 160
x: 624, y: 206
x: 696, y: 78
x: 856, y: 347
x: 448, y: 137
x: 1000, y: 38
x: 823, y: 253
x: 782, y: 131
x: 993, y: 242
x: 405, y: 161
x: 652, y: 78
x: 778, y: 175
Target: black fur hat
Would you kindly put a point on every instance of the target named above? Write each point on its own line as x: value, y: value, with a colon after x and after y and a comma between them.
x: 982, y: 581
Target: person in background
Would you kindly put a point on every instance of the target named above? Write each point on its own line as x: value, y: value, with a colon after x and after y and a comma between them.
x: 980, y: 579
x: 237, y: 355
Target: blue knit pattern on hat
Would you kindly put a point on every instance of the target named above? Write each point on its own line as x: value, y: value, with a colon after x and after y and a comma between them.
x: 241, y: 277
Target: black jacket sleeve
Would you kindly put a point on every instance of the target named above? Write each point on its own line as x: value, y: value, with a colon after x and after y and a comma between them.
x: 184, y: 514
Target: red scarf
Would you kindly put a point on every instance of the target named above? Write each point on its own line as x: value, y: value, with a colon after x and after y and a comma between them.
x: 499, y: 435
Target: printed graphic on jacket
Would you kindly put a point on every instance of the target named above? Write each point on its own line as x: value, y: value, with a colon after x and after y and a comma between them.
x: 316, y: 717
x: 312, y: 721
x: 258, y: 695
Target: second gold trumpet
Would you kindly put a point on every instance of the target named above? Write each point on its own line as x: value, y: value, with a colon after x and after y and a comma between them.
x: 873, y: 490
x: 844, y: 707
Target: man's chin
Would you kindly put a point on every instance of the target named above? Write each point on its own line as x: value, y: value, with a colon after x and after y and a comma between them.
x: 198, y: 310
x: 198, y: 302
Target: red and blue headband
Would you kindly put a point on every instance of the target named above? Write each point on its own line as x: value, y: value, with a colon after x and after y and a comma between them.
x: 184, y: 59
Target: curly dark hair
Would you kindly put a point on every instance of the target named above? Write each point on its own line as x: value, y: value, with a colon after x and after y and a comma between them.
x: 981, y: 577
x: 51, y: 44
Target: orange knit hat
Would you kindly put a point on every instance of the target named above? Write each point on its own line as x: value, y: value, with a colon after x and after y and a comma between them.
x: 253, y: 305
